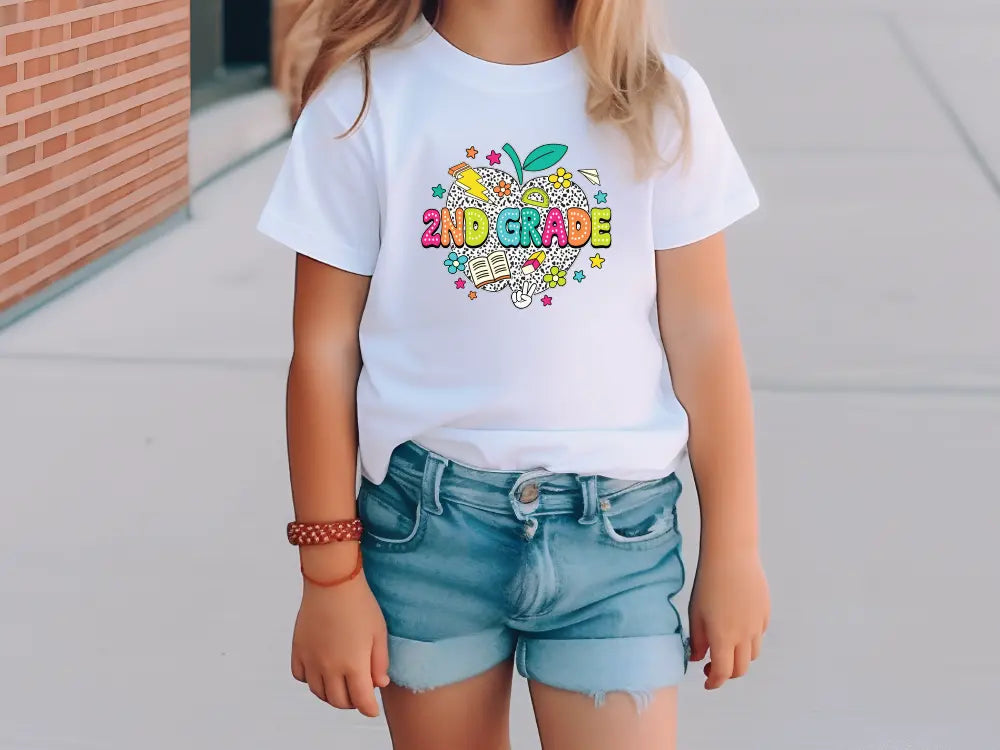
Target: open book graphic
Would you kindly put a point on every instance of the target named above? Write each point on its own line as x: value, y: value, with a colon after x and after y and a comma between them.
x: 486, y: 270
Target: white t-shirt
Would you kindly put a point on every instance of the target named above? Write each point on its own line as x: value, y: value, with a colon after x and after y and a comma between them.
x: 511, y: 320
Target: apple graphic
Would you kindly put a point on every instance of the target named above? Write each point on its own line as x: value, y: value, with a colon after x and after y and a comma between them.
x: 492, y: 190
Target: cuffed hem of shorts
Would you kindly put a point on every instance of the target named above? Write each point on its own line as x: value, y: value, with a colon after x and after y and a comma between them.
x: 425, y: 665
x: 597, y: 666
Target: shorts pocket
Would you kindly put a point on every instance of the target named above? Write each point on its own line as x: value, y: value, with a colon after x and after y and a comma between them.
x: 392, y: 515
x: 642, y: 518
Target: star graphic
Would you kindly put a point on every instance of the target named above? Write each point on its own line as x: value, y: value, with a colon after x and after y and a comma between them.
x: 438, y: 191
x: 546, y: 300
x: 471, y: 152
x: 472, y: 295
x: 578, y: 276
x: 460, y: 283
x: 493, y: 157
x: 596, y: 261
x: 601, y: 197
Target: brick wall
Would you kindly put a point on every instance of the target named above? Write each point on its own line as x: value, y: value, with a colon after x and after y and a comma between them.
x: 94, y: 109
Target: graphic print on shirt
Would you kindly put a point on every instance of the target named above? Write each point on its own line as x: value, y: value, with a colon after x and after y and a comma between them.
x: 515, y: 232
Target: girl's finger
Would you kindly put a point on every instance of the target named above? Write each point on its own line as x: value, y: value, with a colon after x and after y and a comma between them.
x: 699, y: 640
x: 363, y: 693
x: 298, y: 669
x: 380, y: 660
x: 336, y: 691
x: 721, y: 666
x: 755, y: 648
x: 314, y: 678
x: 741, y: 659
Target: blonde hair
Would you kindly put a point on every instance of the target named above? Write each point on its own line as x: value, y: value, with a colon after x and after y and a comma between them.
x: 628, y: 81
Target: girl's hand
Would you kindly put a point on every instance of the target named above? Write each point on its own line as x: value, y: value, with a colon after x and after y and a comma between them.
x: 340, y: 645
x: 729, y: 612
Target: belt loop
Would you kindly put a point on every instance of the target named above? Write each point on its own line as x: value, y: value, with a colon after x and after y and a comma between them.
x: 588, y: 487
x: 431, y: 486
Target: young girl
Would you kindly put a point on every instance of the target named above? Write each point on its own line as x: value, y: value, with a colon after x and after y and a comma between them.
x: 505, y: 213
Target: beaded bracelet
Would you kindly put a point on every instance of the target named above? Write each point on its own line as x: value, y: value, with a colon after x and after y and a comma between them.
x: 305, y: 534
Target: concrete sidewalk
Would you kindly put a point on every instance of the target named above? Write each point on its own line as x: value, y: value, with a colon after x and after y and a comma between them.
x: 141, y: 426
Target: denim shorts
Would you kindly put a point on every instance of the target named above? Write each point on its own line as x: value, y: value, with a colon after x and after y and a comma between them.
x: 571, y: 575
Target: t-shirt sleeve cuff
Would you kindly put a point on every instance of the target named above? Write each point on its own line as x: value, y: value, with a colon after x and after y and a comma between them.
x: 333, y: 253
x: 702, y: 226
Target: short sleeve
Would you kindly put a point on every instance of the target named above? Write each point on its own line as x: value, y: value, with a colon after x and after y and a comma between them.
x: 325, y: 201
x: 703, y: 195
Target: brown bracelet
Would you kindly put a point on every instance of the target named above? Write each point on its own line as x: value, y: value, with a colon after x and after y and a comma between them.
x: 336, y: 582
x: 305, y: 534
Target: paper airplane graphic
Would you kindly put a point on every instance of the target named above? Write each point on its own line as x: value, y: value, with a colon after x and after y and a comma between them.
x: 591, y: 174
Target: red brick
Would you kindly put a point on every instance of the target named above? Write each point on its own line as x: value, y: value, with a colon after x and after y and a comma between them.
x: 107, y: 21
x: 8, y: 75
x: 20, y: 42
x: 141, y: 62
x: 98, y: 48
x: 64, y: 6
x: 83, y: 81
x: 36, y: 9
x: 54, y: 201
x: 20, y: 100
x: 8, y: 15
x: 8, y: 134
x: 73, y: 217
x: 55, y: 90
x: 81, y: 28
x: 17, y: 217
x: 86, y: 133
x: 67, y: 113
x: 36, y: 124
x: 54, y: 146
x: 8, y: 250
x: 154, y: 9
x: 21, y: 159
x: 37, y: 180
x: 52, y: 35
x: 164, y: 101
x: 121, y: 94
x: 43, y: 233
x: 37, y: 66
x: 67, y: 58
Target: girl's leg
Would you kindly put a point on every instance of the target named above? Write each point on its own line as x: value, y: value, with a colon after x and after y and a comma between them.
x: 473, y: 714
x: 571, y: 721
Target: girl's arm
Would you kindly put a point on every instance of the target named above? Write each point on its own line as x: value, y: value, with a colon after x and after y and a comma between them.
x: 321, y: 409
x: 339, y: 646
x: 729, y: 603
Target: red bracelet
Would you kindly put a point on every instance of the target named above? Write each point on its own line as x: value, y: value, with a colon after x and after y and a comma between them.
x: 330, y: 584
x: 304, y: 534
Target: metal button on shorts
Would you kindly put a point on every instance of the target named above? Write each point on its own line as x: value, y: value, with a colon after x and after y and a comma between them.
x: 529, y: 494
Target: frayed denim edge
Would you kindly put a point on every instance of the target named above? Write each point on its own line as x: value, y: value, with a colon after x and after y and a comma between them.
x: 641, y: 698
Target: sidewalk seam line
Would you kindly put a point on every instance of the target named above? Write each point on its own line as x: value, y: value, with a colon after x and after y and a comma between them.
x: 926, y: 77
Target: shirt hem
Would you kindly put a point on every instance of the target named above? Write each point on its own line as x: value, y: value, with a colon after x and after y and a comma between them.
x: 334, y: 254
x: 706, y: 225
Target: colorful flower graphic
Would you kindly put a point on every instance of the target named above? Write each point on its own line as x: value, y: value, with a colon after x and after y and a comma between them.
x: 455, y: 262
x: 502, y: 188
x: 561, y: 178
x: 555, y: 277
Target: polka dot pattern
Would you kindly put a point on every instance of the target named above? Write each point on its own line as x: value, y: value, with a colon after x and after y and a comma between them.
x: 560, y: 197
x: 306, y: 534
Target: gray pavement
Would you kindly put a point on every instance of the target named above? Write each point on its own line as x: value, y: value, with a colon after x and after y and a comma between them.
x: 141, y: 426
